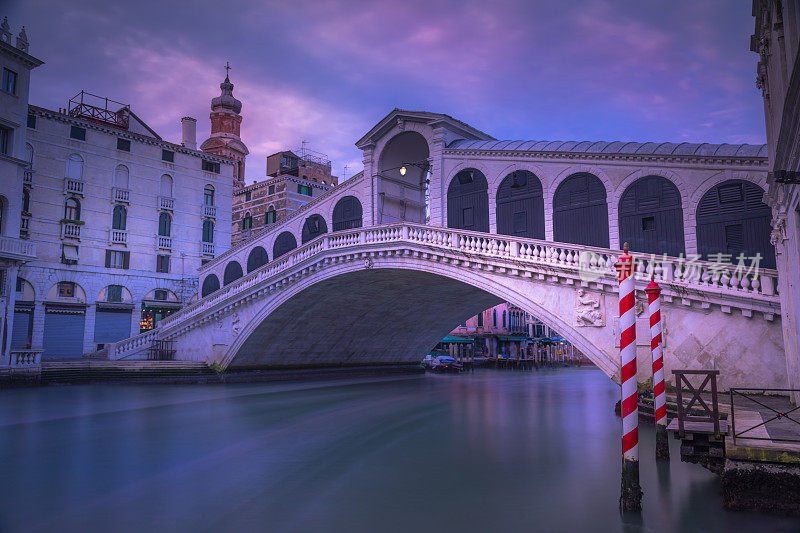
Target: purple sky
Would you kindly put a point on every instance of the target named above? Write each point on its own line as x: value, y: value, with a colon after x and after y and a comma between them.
x: 326, y: 71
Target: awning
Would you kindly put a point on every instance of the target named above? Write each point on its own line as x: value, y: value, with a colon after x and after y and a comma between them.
x: 514, y: 338
x: 452, y: 339
x: 64, y: 309
x: 114, y: 305
x: 161, y: 303
x: 70, y: 252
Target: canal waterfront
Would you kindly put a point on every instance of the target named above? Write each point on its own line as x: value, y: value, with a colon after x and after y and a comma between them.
x: 489, y: 451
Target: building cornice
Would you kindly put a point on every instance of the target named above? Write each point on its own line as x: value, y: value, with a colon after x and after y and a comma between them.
x: 278, y: 179
x: 29, y: 60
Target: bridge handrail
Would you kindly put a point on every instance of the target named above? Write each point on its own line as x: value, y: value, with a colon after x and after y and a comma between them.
x: 709, y: 276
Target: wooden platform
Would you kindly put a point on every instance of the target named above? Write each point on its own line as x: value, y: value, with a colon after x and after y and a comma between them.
x: 705, y: 428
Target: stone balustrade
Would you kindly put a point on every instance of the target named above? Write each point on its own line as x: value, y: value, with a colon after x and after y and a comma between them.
x: 166, y: 203
x: 27, y: 177
x: 163, y: 242
x: 25, y: 360
x: 73, y: 186
x: 117, y: 236
x: 121, y: 195
x: 209, y: 211
x: 17, y: 248
x: 70, y: 230
x: 207, y: 248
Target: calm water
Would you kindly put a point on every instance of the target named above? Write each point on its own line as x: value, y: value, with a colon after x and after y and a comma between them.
x: 492, y: 451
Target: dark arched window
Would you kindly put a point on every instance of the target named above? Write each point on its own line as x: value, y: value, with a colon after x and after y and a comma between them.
x: 468, y: 201
x: 284, y: 243
x: 72, y: 209
x: 520, y: 206
x: 247, y: 221
x: 733, y: 219
x: 480, y: 319
x: 208, y: 231
x: 119, y: 218
x: 233, y: 271
x: 314, y: 227
x: 165, y: 225
x: 271, y: 216
x: 651, y: 217
x: 494, y: 318
x: 580, y: 211
x: 210, y: 284
x: 504, y: 319
x: 258, y: 257
x: 208, y: 195
x: 347, y: 213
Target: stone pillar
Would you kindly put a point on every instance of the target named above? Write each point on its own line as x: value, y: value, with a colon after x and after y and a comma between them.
x: 37, y: 328
x: 88, y: 329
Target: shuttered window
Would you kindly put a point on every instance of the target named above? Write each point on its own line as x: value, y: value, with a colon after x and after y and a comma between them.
x: 117, y: 259
x: 63, y: 334
x: 162, y: 264
x: 114, y: 293
x: 112, y: 325
x: 21, y: 333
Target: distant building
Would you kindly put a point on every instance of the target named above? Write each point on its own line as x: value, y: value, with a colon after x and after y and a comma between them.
x: 503, y: 329
x: 121, y: 220
x: 292, y: 181
x: 16, y: 64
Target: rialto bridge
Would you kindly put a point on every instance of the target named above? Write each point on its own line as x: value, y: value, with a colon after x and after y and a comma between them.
x: 446, y: 221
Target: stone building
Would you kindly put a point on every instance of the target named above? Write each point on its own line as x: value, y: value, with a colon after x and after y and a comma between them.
x: 15, y: 64
x: 776, y: 38
x: 292, y: 181
x: 122, y: 220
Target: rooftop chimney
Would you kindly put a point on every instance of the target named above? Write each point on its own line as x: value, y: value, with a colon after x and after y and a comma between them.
x: 189, y: 129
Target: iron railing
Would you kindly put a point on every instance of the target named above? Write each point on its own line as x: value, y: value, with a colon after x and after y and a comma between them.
x: 780, y: 414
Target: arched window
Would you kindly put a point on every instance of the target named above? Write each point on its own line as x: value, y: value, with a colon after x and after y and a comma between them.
x: 271, y: 216
x: 119, y: 219
x: 121, y: 176
x: 494, y: 318
x: 347, y: 214
x: 29, y: 154
x: 233, y: 271
x: 26, y: 200
x: 164, y: 225
x: 580, y: 211
x: 258, y: 257
x: 520, y: 206
x: 651, y: 217
x: 480, y: 319
x: 504, y: 319
x: 208, y: 195
x: 468, y: 201
x: 313, y: 227
x: 75, y: 167
x: 210, y: 284
x: 283, y: 244
x: 166, y: 186
x: 247, y: 221
x: 208, y: 231
x: 72, y: 209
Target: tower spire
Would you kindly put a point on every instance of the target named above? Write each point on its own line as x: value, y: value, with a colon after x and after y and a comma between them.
x: 227, y: 71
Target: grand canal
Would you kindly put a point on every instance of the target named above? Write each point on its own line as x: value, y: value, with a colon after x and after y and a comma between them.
x: 490, y: 451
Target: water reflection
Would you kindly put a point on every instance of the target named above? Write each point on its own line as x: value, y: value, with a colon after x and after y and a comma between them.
x: 491, y: 451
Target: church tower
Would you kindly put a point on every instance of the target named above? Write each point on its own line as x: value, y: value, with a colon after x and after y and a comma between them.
x: 225, y: 124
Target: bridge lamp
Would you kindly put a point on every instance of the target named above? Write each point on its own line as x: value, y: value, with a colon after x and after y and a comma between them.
x: 403, y: 170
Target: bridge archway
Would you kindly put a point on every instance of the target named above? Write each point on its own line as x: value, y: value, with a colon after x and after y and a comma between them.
x: 580, y: 211
x: 520, y: 205
x: 468, y: 201
x: 233, y: 271
x: 402, y: 179
x: 651, y: 217
x: 313, y: 227
x: 210, y: 284
x: 733, y: 219
x: 285, y: 242
x: 258, y: 257
x: 347, y: 213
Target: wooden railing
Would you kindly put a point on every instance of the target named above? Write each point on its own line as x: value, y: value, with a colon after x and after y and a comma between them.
x: 710, y: 413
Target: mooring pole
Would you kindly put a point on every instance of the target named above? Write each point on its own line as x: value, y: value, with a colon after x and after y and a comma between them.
x: 659, y: 394
x: 630, y: 499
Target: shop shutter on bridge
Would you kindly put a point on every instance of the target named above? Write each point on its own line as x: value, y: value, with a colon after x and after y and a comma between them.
x: 63, y: 331
x: 112, y: 323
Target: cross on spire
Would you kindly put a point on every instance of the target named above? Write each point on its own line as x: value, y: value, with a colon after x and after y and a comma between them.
x: 227, y: 69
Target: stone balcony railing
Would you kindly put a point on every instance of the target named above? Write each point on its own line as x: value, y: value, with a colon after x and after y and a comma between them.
x: 166, y: 203
x: 121, y: 195
x: 27, y: 177
x: 207, y: 248
x: 117, y: 236
x: 26, y: 360
x: 704, y: 283
x: 163, y: 242
x: 209, y: 211
x: 73, y: 186
x: 17, y: 248
x: 70, y: 230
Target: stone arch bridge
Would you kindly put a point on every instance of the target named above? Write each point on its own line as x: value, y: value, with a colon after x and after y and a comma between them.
x: 446, y: 221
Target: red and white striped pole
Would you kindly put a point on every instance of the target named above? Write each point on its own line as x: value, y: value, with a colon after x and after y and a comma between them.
x: 631, y: 493
x: 659, y: 394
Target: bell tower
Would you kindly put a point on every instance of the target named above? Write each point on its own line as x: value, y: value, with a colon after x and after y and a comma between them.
x: 226, y: 121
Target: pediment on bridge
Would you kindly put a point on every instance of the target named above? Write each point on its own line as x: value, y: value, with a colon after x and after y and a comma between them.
x: 400, y: 116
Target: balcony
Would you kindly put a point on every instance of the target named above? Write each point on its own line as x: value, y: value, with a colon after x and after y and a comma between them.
x: 73, y: 186
x: 207, y: 248
x: 118, y: 236
x: 70, y: 230
x: 166, y: 203
x: 11, y: 248
x: 120, y: 195
x: 163, y: 243
x: 25, y: 360
x: 27, y: 177
x: 209, y: 211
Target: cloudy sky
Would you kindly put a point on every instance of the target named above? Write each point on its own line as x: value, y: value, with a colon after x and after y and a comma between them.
x: 327, y: 70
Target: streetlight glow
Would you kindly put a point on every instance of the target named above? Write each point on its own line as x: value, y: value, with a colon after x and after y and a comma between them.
x: 403, y: 170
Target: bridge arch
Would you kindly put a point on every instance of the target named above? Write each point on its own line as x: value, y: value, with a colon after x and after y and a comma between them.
x: 520, y: 205
x: 468, y: 201
x: 210, y: 284
x: 580, y: 211
x: 313, y: 227
x: 285, y: 242
x: 402, y: 178
x: 651, y: 216
x: 347, y: 213
x: 233, y: 271
x: 257, y: 257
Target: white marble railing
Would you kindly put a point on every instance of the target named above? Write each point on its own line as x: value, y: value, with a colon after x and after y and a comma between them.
x: 117, y: 236
x: 209, y: 211
x: 207, y: 248
x: 17, y: 247
x: 588, y: 263
x: 121, y: 195
x: 135, y: 344
x: 163, y: 243
x: 73, y: 186
x: 70, y: 230
x: 166, y: 203
x: 25, y: 359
